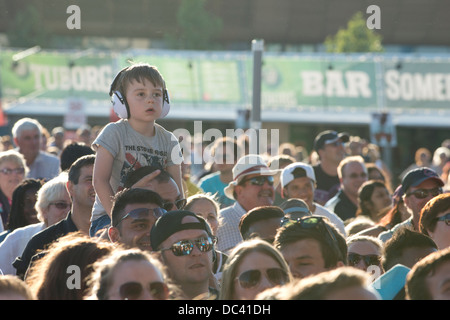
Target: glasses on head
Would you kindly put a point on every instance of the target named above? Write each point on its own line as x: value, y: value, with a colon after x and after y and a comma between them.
x: 259, y: 180
x: 8, y: 172
x: 424, y: 193
x: 142, y: 213
x: 252, y: 278
x: 134, y: 290
x: 314, y: 222
x: 369, y: 260
x: 167, y: 205
x: 185, y: 247
x: 62, y: 205
x: 445, y: 218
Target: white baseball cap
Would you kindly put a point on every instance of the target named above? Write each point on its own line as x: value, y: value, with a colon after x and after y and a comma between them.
x: 296, y: 170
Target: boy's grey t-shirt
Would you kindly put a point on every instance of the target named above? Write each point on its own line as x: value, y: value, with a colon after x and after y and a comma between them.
x: 131, y: 150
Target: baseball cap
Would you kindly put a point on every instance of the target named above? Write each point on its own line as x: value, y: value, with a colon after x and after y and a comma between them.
x: 247, y: 165
x: 416, y: 176
x: 296, y: 170
x: 329, y: 136
x: 296, y: 208
x: 171, y: 222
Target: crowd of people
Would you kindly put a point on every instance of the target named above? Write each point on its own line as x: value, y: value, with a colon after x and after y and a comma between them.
x: 112, y: 213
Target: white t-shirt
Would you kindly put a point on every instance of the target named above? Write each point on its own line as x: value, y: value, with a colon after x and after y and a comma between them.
x: 131, y: 150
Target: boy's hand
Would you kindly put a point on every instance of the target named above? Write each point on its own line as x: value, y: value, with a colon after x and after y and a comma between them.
x: 146, y: 181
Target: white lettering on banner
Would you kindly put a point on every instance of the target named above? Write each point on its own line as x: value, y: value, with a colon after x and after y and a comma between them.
x: 417, y: 86
x: 342, y: 84
x: 78, y: 78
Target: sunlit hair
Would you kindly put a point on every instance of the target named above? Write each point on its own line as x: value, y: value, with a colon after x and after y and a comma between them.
x: 52, y: 190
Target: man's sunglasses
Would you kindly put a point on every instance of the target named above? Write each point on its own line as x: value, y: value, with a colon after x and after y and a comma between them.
x: 259, y: 180
x: 252, y: 278
x: 185, y: 247
x: 424, y: 193
x: 61, y: 205
x: 142, y: 214
x: 134, y: 290
x: 445, y: 218
x: 178, y: 203
x: 369, y: 260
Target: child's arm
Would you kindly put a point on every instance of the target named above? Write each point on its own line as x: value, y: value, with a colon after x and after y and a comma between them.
x: 175, y: 172
x: 101, y: 176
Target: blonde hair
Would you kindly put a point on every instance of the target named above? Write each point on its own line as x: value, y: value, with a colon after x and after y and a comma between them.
x: 51, y: 190
x: 15, y: 157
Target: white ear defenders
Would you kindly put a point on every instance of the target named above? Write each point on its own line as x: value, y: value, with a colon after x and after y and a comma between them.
x: 120, y: 105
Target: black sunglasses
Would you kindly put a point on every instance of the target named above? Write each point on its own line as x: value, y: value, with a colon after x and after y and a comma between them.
x: 259, y: 180
x: 142, y: 213
x: 445, y: 218
x: 369, y: 260
x: 61, y: 205
x: 252, y: 278
x: 134, y: 290
x: 185, y: 247
x: 423, y: 193
x: 167, y: 205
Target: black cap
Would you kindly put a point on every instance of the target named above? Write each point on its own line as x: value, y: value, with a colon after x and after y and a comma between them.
x: 171, y: 222
x: 416, y: 176
x: 329, y: 136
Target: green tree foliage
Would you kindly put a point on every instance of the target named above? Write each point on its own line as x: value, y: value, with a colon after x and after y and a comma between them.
x: 26, y: 29
x: 356, y: 38
x: 197, y: 26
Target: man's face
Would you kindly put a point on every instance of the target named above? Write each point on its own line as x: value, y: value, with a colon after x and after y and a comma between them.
x: 83, y: 192
x: 29, y: 142
x: 304, y: 257
x: 251, y: 194
x: 301, y: 188
x: 439, y: 282
x: 135, y: 233
x: 332, y: 152
x: 415, y: 204
x: 169, y: 192
x: 353, y: 176
x: 194, y: 268
x: 441, y: 232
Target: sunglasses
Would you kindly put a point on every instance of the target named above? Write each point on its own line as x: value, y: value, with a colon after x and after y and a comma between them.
x: 134, y: 290
x: 369, y: 260
x: 424, y: 193
x: 185, y: 247
x: 167, y: 205
x: 62, y: 205
x: 142, y: 214
x: 445, y: 218
x: 252, y: 278
x: 259, y: 180
x: 11, y: 171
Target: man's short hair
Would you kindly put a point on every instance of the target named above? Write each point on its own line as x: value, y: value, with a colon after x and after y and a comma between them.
x: 72, y: 152
x: 347, y: 160
x: 331, y: 254
x: 416, y: 286
x: 75, y: 168
x: 25, y: 124
x: 132, y: 196
x: 258, y: 214
x: 429, y: 212
x: 141, y: 172
x: 402, y: 239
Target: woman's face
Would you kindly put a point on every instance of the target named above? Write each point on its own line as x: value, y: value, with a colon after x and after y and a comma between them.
x: 29, y: 210
x: 207, y: 211
x: 11, y: 174
x: 380, y: 199
x: 256, y: 273
x: 57, y: 210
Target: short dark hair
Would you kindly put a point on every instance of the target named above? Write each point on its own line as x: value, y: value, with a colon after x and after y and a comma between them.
x: 331, y: 254
x: 430, y: 211
x: 401, y: 240
x: 75, y: 168
x: 258, y: 214
x: 141, y: 172
x: 72, y: 152
x: 129, y: 196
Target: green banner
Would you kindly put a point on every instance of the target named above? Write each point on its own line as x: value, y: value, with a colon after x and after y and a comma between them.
x: 52, y: 75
